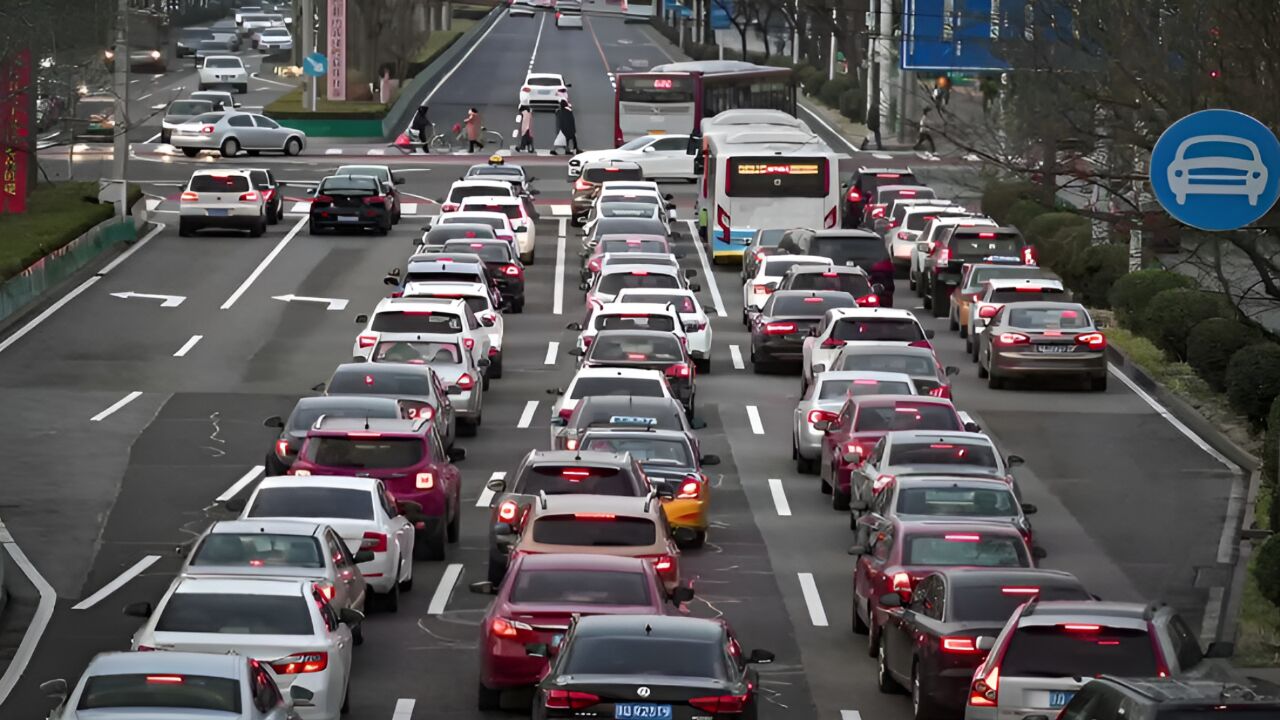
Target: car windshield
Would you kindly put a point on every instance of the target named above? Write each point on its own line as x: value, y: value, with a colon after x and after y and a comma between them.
x: 467, y: 276
x: 907, y: 364
x: 996, y: 603
x: 577, y: 480
x: 631, y: 348
x: 1051, y: 318
x: 511, y: 210
x: 639, y: 387
x: 852, y: 283
x: 258, y: 550
x: 1218, y: 149
x: 1082, y: 650
x: 965, y: 548
x: 624, y: 246
x: 628, y: 226
x: 858, y: 251
x: 594, y: 530
x: 642, y: 656
x: 877, y: 329
x: 775, y: 266
x: 168, y: 691
x: 372, y: 453
x: 190, y: 107
x: 223, y: 63
x: 235, y: 614
x: 418, y: 353
x: 219, y: 184
x: 637, y: 143
x: 312, y: 502
x: 769, y: 238
x: 656, y: 451
x: 374, y: 171
x: 417, y: 321
x: 613, y: 282
x: 942, y: 453
x: 360, y: 382
x: 349, y: 185
x: 635, y: 321
x: 498, y: 252
x: 578, y: 587
x: 304, y: 417
x: 1004, y: 296
x: 544, y: 81
x: 806, y: 306
x: 984, y: 245
x: 462, y: 192
x: 980, y: 275
x: 957, y: 501
x: 907, y: 416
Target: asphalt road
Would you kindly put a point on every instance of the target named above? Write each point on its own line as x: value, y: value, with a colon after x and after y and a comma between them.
x: 1127, y: 502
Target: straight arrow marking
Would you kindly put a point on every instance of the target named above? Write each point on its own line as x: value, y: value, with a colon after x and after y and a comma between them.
x: 334, y: 303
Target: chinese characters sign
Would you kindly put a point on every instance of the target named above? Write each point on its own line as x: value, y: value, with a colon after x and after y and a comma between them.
x: 337, y: 49
x: 15, y: 130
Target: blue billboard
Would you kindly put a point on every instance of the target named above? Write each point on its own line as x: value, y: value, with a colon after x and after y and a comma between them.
x: 956, y: 34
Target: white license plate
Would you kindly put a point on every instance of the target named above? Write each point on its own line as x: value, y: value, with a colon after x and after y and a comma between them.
x: 347, y: 218
x: 1055, y: 349
x: 218, y: 212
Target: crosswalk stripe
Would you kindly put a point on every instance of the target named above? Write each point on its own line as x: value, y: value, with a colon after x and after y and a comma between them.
x: 333, y: 151
x: 409, y: 208
x: 377, y: 151
x: 561, y: 210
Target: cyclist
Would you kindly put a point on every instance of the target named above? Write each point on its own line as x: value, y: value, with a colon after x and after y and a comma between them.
x: 421, y: 125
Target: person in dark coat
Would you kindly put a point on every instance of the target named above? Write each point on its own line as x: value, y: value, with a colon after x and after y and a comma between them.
x: 873, y: 125
x: 566, y: 124
x: 421, y: 126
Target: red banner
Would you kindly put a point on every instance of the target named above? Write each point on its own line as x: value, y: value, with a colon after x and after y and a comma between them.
x: 15, y: 131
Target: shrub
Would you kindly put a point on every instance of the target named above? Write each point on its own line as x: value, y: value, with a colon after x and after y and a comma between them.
x: 1132, y: 292
x: 1022, y: 213
x: 1210, y: 345
x: 833, y: 89
x: 1271, y: 450
x: 851, y: 102
x: 1170, y: 315
x: 1058, y: 253
x: 813, y: 87
x: 1093, y: 269
x: 1043, y: 228
x: 999, y: 197
x: 1266, y: 569
x: 1253, y: 379
x: 805, y: 74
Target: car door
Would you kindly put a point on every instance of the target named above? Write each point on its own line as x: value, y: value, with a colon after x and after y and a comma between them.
x: 268, y: 134
x: 660, y: 158
x: 900, y: 628
x: 241, y: 126
x: 864, y: 475
x: 871, y: 565
x: 832, y: 439
x: 396, y: 522
x: 445, y: 407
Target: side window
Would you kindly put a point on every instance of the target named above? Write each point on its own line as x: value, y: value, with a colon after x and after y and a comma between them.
x: 937, y: 599
x: 842, y: 420
x: 341, y: 554
x: 335, y: 552
x: 921, y: 597
x: 436, y: 448
x: 389, y: 504
x: 881, y: 501
x: 877, y: 453
x: 1185, y: 645
x: 239, y: 121
x: 265, y: 122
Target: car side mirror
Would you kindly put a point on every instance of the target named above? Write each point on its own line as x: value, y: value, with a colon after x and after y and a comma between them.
x: 709, y: 460
x: 1039, y: 553
x: 350, y: 616
x: 695, y: 287
x: 648, y: 149
x: 668, y: 197
x: 984, y: 642
x: 457, y: 454
x: 1015, y: 461
x: 1029, y: 509
x: 844, y: 186
x: 138, y: 609
x: 1220, y: 649
x: 555, y: 391
x: 235, y: 505
x: 877, y: 288
x: 760, y: 657
x: 859, y: 505
x: 483, y: 363
x: 275, y: 421
x: 972, y: 427
x: 363, y: 556
x: 574, y: 326
x: 503, y: 530
x: 300, y: 696
x: 681, y: 594
x: 497, y: 486
x: 56, y: 689
x: 391, y: 280
x: 951, y: 371
x: 584, y: 287
x: 576, y: 352
x: 819, y: 369
x: 813, y: 332
x: 482, y: 587
x: 697, y: 423
x: 365, y: 318
x: 857, y: 550
x: 318, y: 387
x: 890, y: 600
x: 929, y: 334
x: 419, y: 241
x: 823, y: 425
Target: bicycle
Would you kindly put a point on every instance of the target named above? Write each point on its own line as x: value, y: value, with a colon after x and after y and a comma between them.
x: 441, y: 142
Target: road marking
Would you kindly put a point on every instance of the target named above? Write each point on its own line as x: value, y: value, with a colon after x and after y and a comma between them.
x: 553, y: 350
x: 377, y: 151
x: 303, y: 206
x: 736, y: 355
x: 144, y: 97
x: 116, y: 406
x: 262, y: 266
x: 333, y: 303
x: 850, y: 715
x: 753, y: 417
x: 526, y: 417
x: 259, y: 78
x: 779, y: 497
x: 461, y: 61
x: 827, y: 126
x: 1163, y: 412
x: 152, y: 139
x: 814, y: 601
x: 561, y: 210
x: 404, y: 709
x: 186, y: 347
x: 557, y: 301
x: 165, y: 300
x: 536, y: 42
x: 134, y: 571
x: 444, y: 589
x: 486, y: 495
x: 240, y: 484
x: 409, y: 208
x: 44, y: 612
x: 333, y: 151
x: 706, y: 268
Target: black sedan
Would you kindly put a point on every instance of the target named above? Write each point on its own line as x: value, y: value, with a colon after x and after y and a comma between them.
x: 349, y: 201
x: 265, y: 181
x: 779, y: 329
x: 645, y: 350
x: 651, y: 667
x: 502, y: 263
x: 933, y: 643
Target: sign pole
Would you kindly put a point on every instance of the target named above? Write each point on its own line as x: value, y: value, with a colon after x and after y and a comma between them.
x: 120, y: 127
x: 308, y: 46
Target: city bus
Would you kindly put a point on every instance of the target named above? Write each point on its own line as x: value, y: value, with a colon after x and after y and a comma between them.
x: 639, y: 10
x: 756, y: 179
x: 676, y: 97
x: 732, y: 122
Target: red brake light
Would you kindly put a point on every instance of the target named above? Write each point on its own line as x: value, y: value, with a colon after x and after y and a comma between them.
x: 573, y: 475
x: 780, y: 328
x: 853, y: 195
x: 207, y: 129
x: 581, y: 184
x: 367, y: 341
x: 511, y: 270
x: 419, y: 412
x: 689, y: 489
x: 901, y: 582
x: 164, y: 679
x: 641, y: 273
x: 326, y: 589
x: 189, y: 196
x: 466, y: 382
x: 830, y: 273
x: 566, y: 413
x: 988, y: 311
x: 301, y: 663
x: 468, y: 343
x: 962, y: 537
x: 763, y: 289
x: 869, y: 301
x: 525, y: 89
x: 1013, y: 590
x: 282, y: 447
x: 832, y: 343
x: 375, y: 541
x: 502, y: 627
x: 819, y: 415
x: 424, y: 480
x: 720, y: 703
x: 959, y: 645
x: 321, y: 199
x: 813, y: 299
x: 1080, y: 627
x: 663, y: 563
x: 569, y: 700
x: 908, y: 193
x: 1095, y: 340
x: 595, y: 516
x: 985, y: 691
x: 986, y: 235
x: 251, y: 196
x: 1012, y: 338
x: 679, y: 370
x: 507, y: 511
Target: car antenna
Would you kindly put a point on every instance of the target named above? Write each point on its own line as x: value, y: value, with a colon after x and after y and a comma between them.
x: 648, y: 629
x: 366, y: 422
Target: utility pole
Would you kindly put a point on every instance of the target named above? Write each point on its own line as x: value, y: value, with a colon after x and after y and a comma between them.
x: 831, y: 51
x: 1135, y: 229
x: 120, y: 128
x: 308, y: 21
x: 884, y: 39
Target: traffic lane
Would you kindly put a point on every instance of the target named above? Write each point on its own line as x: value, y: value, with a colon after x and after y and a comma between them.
x: 571, y: 52
x: 630, y: 47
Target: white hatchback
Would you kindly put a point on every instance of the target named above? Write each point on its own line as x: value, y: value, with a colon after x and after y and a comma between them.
x: 221, y: 199
x: 517, y: 211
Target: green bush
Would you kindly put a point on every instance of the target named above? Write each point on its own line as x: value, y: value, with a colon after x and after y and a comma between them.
x: 1266, y: 569
x: 1271, y: 450
x: 1058, y: 253
x: 1022, y: 213
x: 1171, y: 314
x: 1093, y: 269
x: 813, y: 86
x: 851, y: 105
x: 833, y: 89
x: 1253, y: 379
x: 999, y: 197
x: 1132, y: 292
x: 1043, y: 228
x: 805, y: 74
x: 1210, y: 345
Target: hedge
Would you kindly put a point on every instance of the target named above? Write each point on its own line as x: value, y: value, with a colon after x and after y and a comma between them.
x: 1131, y: 293
x: 1253, y: 380
x: 1266, y: 569
x: 999, y: 197
x: 1022, y: 213
x: 1058, y: 253
x: 833, y: 89
x: 1045, y: 227
x: 1094, y: 269
x: 1210, y: 345
x: 1270, y: 449
x: 1170, y: 315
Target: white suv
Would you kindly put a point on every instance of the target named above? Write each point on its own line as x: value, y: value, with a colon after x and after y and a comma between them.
x: 221, y: 199
x: 219, y: 70
x: 517, y: 212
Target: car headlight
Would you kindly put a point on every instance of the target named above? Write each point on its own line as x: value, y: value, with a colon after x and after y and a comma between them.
x: 110, y: 55
x: 155, y: 54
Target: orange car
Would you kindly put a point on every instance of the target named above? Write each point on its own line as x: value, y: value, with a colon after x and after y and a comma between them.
x: 972, y: 276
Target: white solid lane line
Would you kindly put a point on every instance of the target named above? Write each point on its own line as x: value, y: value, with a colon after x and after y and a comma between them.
x: 153, y: 138
x: 553, y: 350
x: 377, y: 151
x: 461, y: 61
x: 404, y: 709
x: 753, y: 417
x: 441, y: 597
x: 1164, y: 412
x: 706, y: 269
x: 850, y: 715
x: 117, y: 583
x: 557, y: 302
x: 736, y: 355
x: 262, y: 266
x: 779, y: 497
x: 536, y: 42
x: 116, y: 406
x: 809, y: 588
x: 39, y: 622
x: 186, y: 347
x: 486, y: 495
x: 333, y: 151
x: 239, y: 485
x: 526, y: 417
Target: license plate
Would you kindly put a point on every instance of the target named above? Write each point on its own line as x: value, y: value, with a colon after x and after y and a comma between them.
x: 347, y: 218
x: 641, y: 711
x: 1055, y: 349
x: 1058, y: 698
x: 218, y: 212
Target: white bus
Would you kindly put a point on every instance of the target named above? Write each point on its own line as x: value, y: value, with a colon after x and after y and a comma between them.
x: 639, y: 9
x: 756, y: 179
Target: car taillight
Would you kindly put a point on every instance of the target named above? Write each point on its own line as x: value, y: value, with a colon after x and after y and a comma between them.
x: 466, y: 382
x: 901, y: 582
x: 189, y: 196
x: 419, y: 411
x: 525, y: 89
x: 504, y: 628
x: 507, y: 511
x: 566, y: 413
x: 586, y: 341
x: 869, y: 300
x: 853, y: 449
x: 375, y: 200
x: 988, y: 311
x: 763, y: 289
x: 449, y: 207
x: 594, y: 265
x: 251, y: 196
x: 963, y: 645
x: 853, y: 195
x: 145, y: 648
x: 375, y: 541
x: 881, y: 482
x: 832, y: 343
x: 282, y: 448
x: 877, y: 211
x: 581, y: 184
x: 779, y: 328
x: 662, y: 563
x: 307, y: 662
x: 468, y: 343
x: 511, y: 270
x: 679, y: 370
x: 1162, y: 666
x: 1028, y: 255
x: 944, y: 256
x: 720, y: 703
x: 325, y: 589
x: 1095, y: 340
x: 268, y: 194
x: 569, y: 700
x: 424, y: 480
x: 815, y: 416
x: 367, y: 341
x: 904, y: 235
x: 321, y: 199
x: 985, y: 691
x: 689, y: 489
x: 207, y: 129
x: 942, y: 391
x: 1012, y: 338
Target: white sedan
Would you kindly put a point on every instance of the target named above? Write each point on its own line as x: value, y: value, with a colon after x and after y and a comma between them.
x: 659, y: 156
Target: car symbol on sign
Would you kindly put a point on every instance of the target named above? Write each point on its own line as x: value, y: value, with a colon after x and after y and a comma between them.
x: 1217, y: 165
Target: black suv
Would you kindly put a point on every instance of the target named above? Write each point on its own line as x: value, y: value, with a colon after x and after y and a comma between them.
x: 964, y: 244
x: 851, y: 248
x: 862, y: 185
x: 1114, y: 698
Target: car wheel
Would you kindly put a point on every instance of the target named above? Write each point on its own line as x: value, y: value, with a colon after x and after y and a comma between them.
x: 184, y: 228
x: 859, y: 627
x: 699, y: 539
x: 191, y: 152
x: 312, y: 228
x: 497, y: 567
x: 964, y: 329
x: 346, y: 699
x: 517, y: 307
x: 164, y: 136
x: 431, y: 542
x: 258, y: 228
x: 467, y: 428
x: 953, y: 323
x: 968, y: 343
x: 382, y: 230
x: 839, y: 500
x: 940, y: 300
x: 982, y: 370
x: 495, y: 370
x: 390, y: 600
x: 703, y: 365
x: 242, y: 89
x: 823, y: 485
x: 487, y: 698
x: 230, y: 147
x: 922, y: 706
x: 253, y: 153
x: 911, y: 280
x: 357, y: 635
x: 407, y: 584
x: 273, y: 466
x: 994, y: 381
x: 1098, y: 384
x: 292, y: 146
x: 806, y: 466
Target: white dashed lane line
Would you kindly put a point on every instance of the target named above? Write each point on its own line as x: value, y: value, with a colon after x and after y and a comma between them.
x: 553, y: 349
x: 486, y: 495
x: 809, y: 589
x: 526, y: 417
x: 240, y: 484
x: 753, y: 417
x: 440, y: 599
x: 186, y: 347
x: 116, y: 406
x: 779, y: 497
x: 736, y: 355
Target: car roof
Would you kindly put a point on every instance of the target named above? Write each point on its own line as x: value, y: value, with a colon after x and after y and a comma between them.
x: 409, y: 304
x: 386, y: 369
x: 633, y: 333
x: 966, y: 219
x: 993, y: 526
x: 210, y: 584
x: 491, y: 199
x: 655, y: 258
x: 1037, y: 282
x: 643, y: 267
x: 216, y: 172
x: 664, y: 627
x: 857, y: 233
x: 945, y: 479
x: 833, y: 268
x: 880, y: 347
x: 1050, y: 305
x: 908, y: 186
x: 859, y: 374
x: 479, y: 182
x: 608, y: 431
x: 582, y: 562
x: 543, y: 74
x: 884, y: 400
x: 635, y: 403
x: 345, y: 401
x: 273, y: 526
x: 1054, y: 612
x: 769, y: 259
x: 673, y: 292
x: 959, y: 577
x: 170, y: 663
x: 368, y: 427
x: 1236, y: 693
x: 624, y: 164
x: 345, y: 482
x: 879, y: 169
x: 458, y: 215
x: 871, y: 312
x: 449, y: 288
x: 617, y: 308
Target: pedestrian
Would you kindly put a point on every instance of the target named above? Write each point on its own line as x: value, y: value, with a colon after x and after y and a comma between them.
x: 873, y: 127
x: 942, y: 92
x: 990, y: 91
x: 421, y: 126
x: 567, y: 126
x: 525, y: 116
x: 473, y: 127
x: 925, y: 136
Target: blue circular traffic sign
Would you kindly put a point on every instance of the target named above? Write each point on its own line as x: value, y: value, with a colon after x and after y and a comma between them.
x: 315, y: 64
x: 1216, y: 170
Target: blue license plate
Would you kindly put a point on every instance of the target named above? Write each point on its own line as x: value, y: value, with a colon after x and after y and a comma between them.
x: 218, y: 212
x: 1058, y: 698
x: 641, y: 711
